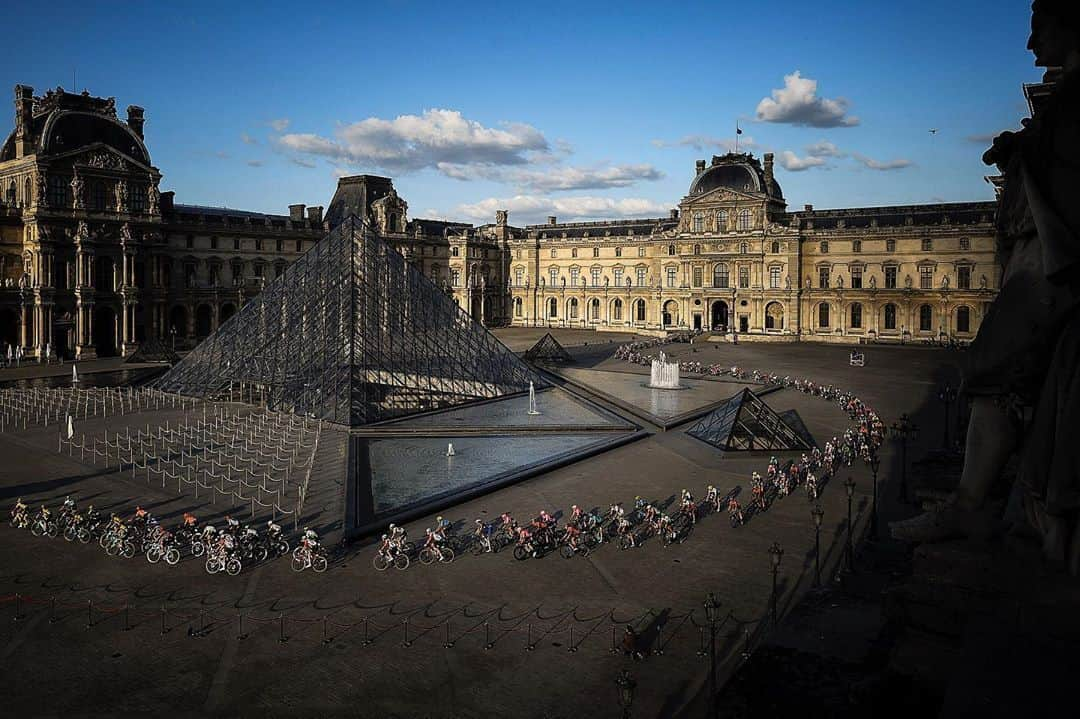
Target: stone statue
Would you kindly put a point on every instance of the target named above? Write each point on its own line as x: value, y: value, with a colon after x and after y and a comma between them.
x: 945, y: 282
x: 839, y: 283
x: 907, y: 282
x: 153, y: 198
x: 787, y: 282
x: 982, y: 282
x: 873, y: 282
x: 126, y: 237
x: 121, y: 196
x: 77, y: 191
x: 41, y: 189
x: 82, y: 232
x: 1020, y: 371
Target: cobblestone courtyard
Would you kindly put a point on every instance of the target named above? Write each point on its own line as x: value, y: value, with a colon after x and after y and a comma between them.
x: 142, y: 638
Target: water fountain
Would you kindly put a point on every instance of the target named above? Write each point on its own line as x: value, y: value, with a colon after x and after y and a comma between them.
x: 532, y: 400
x: 664, y: 374
x: 74, y: 375
x: 450, y: 450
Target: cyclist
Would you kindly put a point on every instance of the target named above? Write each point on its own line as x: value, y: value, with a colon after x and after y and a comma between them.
x: 572, y: 535
x: 811, y: 486
x: 482, y: 534
x: 623, y: 529
x: 639, y: 503
x: 575, y: 515
x: 735, y: 511
x: 507, y: 522
x: 689, y: 508
x: 442, y: 526
x: 397, y: 536
x: 310, y: 537
x: 232, y: 525
x: 712, y: 497
x: 189, y: 521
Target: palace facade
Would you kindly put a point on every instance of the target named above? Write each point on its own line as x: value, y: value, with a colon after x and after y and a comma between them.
x: 94, y: 258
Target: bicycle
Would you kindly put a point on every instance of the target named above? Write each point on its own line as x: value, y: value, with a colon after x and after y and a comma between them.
x: 305, y: 556
x: 390, y: 556
x: 435, y: 552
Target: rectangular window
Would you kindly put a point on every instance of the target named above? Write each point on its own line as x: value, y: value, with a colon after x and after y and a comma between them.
x: 699, y: 222
x: 697, y: 277
x: 618, y: 276
x: 890, y: 245
x: 672, y: 274
x: 258, y: 245
x: 519, y: 276
x: 455, y: 277
x: 890, y: 277
x: 641, y: 252
x: 595, y: 274
x: 138, y: 198
x: 963, y: 278
x: 856, y: 278
x: 744, y: 277
x: 641, y: 272
x: 774, y: 278
x: 618, y: 252
x: 596, y: 252
x: 553, y: 277
x: 236, y: 244
x: 299, y: 245
x: 823, y: 277
x: 856, y: 245
x: 573, y: 252
x: 190, y: 242
x: 720, y: 276
x: 927, y: 244
x: 965, y: 243
x: 279, y: 246
x: 574, y: 277
x: 926, y: 278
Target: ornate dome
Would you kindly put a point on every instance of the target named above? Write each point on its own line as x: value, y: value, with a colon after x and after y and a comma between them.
x: 740, y: 172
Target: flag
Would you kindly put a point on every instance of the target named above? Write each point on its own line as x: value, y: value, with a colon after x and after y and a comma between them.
x: 71, y: 427
x: 738, y: 130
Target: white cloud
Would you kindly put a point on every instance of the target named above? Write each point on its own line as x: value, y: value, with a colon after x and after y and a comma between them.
x: 525, y: 209
x: 222, y: 155
x: 793, y: 163
x: 254, y: 163
x: 557, y: 179
x: 824, y: 148
x: 248, y: 139
x: 414, y: 142
x: 302, y: 162
x: 279, y: 125
x: 873, y: 164
x: 797, y: 103
x: 705, y: 142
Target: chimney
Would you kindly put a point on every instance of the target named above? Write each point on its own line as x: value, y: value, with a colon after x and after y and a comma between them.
x: 699, y: 166
x: 501, y: 217
x: 314, y: 215
x: 715, y: 160
x: 808, y: 208
x: 552, y: 220
x: 166, y: 204
x: 768, y: 171
x: 296, y: 213
x: 675, y: 214
x: 24, y: 115
x: 136, y: 119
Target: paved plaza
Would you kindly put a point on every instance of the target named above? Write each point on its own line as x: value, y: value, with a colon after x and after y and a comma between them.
x: 526, y: 639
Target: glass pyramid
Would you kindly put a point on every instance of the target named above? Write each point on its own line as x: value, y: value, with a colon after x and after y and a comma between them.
x: 745, y: 422
x: 353, y: 334
x: 547, y: 349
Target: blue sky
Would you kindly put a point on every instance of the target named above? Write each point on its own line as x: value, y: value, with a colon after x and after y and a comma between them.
x: 578, y: 110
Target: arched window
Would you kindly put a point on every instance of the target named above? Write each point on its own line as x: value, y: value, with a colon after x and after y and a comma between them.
x: 573, y: 252
x: 963, y: 319
x: 671, y: 250
x: 720, y: 275
x: 596, y: 252
x: 926, y: 318
x: 455, y: 277
x: 519, y: 276
x: 823, y: 315
x: 454, y: 252
x: 856, y: 316
x: 11, y: 192
x: 616, y: 310
x: 553, y: 308
x: 890, y: 317
x: 573, y: 308
x: 744, y: 247
x: 774, y: 316
x: 699, y: 222
x: 775, y: 247
x: 697, y: 249
x: 618, y: 252
x: 27, y: 198
x: 553, y: 276
x: 721, y: 220
x: 639, y: 310
x: 594, y: 309
x: 517, y: 307
x: 744, y: 219
x: 554, y: 253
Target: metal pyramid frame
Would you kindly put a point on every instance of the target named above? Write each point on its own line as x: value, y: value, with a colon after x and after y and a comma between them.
x: 153, y: 350
x: 745, y: 423
x: 547, y: 349
x: 353, y: 334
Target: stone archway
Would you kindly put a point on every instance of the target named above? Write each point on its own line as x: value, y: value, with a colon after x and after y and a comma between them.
x: 105, y: 331
x: 719, y: 316
x: 774, y: 316
x: 670, y: 314
x: 9, y: 327
x: 204, y: 321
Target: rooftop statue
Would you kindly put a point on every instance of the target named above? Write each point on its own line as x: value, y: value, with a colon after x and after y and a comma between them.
x: 1021, y: 372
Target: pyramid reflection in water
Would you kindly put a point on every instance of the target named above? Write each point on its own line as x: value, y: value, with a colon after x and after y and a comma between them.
x: 353, y: 334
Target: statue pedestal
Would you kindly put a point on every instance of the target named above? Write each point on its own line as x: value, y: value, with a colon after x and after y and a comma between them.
x: 85, y: 352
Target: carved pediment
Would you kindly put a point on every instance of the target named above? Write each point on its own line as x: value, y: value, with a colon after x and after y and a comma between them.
x: 720, y: 195
x: 104, y: 157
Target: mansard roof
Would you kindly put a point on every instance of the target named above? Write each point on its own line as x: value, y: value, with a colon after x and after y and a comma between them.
x: 946, y: 213
x: 644, y: 226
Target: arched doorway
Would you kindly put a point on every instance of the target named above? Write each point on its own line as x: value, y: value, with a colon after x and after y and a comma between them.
x: 203, y: 321
x: 774, y: 316
x: 719, y: 316
x: 177, y: 323
x: 227, y: 310
x: 9, y: 328
x: 105, y: 332
x: 63, y: 337
x: 671, y: 313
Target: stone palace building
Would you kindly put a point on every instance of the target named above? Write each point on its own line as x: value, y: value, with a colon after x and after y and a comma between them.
x: 94, y: 258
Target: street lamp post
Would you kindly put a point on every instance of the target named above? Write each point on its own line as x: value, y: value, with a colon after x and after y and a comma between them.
x: 874, y: 463
x: 712, y: 614
x: 776, y: 553
x: 626, y: 685
x: 817, y: 513
x: 849, y: 485
x: 904, y: 430
x: 946, y: 395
